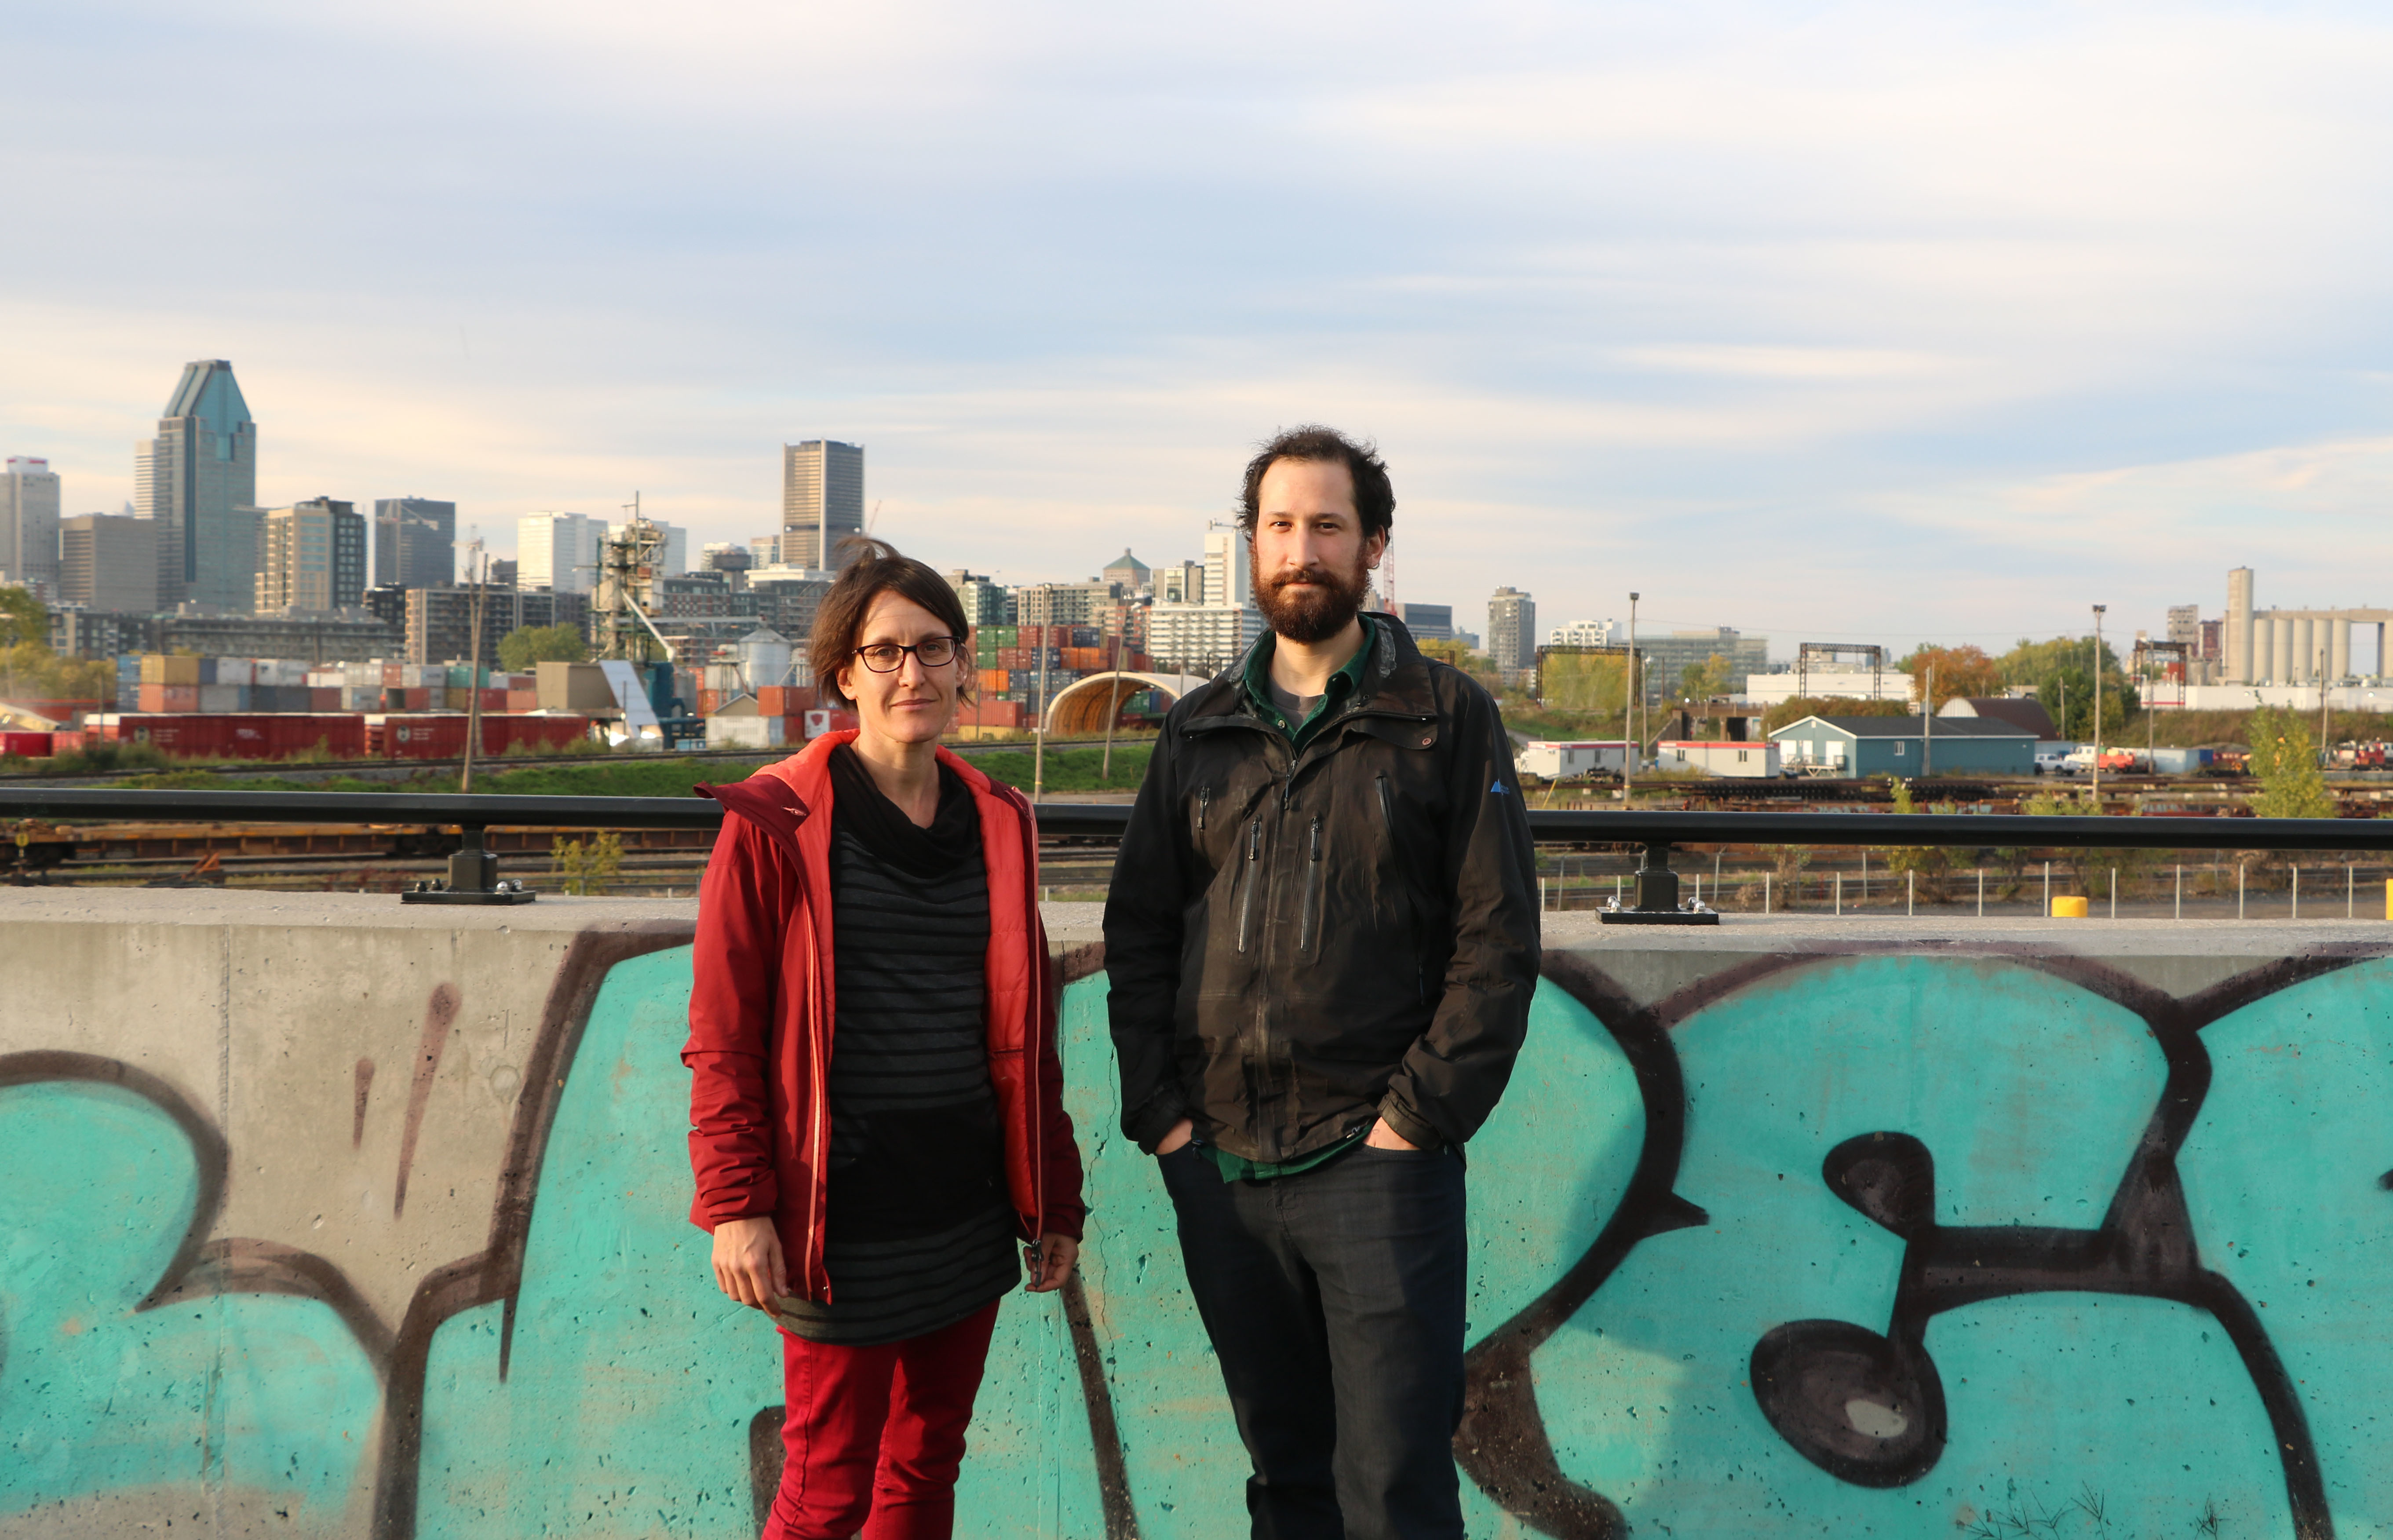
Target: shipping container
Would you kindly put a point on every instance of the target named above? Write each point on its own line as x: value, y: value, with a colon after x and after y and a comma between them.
x: 171, y: 697
x: 158, y: 667
x: 523, y: 701
x: 26, y: 745
x: 320, y: 699
x: 786, y: 699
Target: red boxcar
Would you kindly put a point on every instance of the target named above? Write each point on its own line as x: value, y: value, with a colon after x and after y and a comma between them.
x: 241, y: 735
x: 442, y: 735
x: 26, y: 745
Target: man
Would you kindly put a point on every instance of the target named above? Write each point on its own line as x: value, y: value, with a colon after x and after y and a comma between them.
x: 1322, y: 941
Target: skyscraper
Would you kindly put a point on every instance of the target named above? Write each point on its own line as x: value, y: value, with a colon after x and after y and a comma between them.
x: 1226, y: 581
x: 313, y: 558
x: 558, y: 551
x: 1511, y: 632
x: 822, y: 499
x: 29, y: 524
x: 414, y: 542
x: 109, y: 562
x: 198, y: 478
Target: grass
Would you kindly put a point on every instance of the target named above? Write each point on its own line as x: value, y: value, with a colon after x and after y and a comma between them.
x: 658, y: 776
x: 1070, y: 769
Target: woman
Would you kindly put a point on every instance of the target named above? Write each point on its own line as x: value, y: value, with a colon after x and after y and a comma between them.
x: 876, y: 1104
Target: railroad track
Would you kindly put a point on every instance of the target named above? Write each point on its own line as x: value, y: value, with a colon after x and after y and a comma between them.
x: 401, y: 768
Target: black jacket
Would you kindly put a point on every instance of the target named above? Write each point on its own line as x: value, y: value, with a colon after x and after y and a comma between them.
x: 1298, y: 942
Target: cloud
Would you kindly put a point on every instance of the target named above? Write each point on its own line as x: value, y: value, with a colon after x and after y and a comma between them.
x: 1852, y: 320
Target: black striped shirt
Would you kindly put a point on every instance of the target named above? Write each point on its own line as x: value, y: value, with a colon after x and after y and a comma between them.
x: 920, y: 1232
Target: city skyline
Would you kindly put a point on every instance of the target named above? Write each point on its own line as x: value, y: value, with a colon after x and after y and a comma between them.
x: 1940, y: 325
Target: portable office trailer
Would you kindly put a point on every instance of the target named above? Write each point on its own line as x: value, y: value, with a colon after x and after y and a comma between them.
x: 1558, y: 760
x: 1718, y: 758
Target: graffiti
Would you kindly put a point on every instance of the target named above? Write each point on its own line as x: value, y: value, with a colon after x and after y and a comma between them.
x: 117, y: 1305
x: 1898, y: 1241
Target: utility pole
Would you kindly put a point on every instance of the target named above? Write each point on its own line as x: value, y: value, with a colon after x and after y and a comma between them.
x: 1039, y: 749
x: 1627, y: 701
x: 474, y: 663
x: 1928, y: 732
x: 2098, y: 706
x: 1113, y: 686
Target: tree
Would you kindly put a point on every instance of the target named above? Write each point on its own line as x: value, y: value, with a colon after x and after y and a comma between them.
x: 524, y: 645
x: 2062, y: 673
x: 1701, y: 682
x: 1795, y: 708
x: 2286, y: 761
x: 22, y: 618
x: 1958, y: 671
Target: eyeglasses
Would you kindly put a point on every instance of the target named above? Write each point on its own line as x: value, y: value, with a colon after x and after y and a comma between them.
x: 889, y: 656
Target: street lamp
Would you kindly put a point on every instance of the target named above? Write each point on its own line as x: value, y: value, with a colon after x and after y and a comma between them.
x: 1633, y: 694
x: 2099, y: 657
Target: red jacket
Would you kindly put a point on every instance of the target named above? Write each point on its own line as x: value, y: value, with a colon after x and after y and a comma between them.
x: 761, y: 1009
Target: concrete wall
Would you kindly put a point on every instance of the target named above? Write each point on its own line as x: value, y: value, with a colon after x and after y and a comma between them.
x: 328, y: 1217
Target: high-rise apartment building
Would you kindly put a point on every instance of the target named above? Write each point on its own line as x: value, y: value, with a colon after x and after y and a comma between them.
x: 1226, y: 579
x: 414, y: 542
x: 676, y: 544
x: 558, y: 551
x: 109, y: 562
x: 1511, y: 632
x: 1087, y: 604
x: 986, y: 604
x: 29, y: 524
x: 198, y: 478
x: 822, y: 499
x: 438, y: 623
x: 1211, y: 635
x: 1429, y: 622
x: 313, y: 558
x: 1181, y: 584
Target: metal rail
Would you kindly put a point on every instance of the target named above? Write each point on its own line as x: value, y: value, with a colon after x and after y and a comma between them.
x: 473, y: 870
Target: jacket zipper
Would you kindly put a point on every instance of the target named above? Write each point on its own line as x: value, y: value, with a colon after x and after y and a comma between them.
x: 1253, y: 878
x: 1204, y: 800
x: 1310, y: 923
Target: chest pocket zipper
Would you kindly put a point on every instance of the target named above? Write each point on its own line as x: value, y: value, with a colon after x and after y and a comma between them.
x: 1252, y: 879
x: 1204, y: 800
x: 1311, y: 928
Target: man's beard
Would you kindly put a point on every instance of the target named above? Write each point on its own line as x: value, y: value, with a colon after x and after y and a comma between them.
x: 1312, y: 604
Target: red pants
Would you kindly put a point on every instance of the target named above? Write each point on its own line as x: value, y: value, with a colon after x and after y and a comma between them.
x: 875, y: 1434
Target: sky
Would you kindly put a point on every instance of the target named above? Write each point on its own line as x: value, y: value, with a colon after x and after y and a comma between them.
x: 1865, y: 322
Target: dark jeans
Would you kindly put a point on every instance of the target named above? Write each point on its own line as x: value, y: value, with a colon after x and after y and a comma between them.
x: 1334, y: 1298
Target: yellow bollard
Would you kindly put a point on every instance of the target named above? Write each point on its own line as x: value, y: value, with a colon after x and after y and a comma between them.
x: 2388, y: 899
x: 2075, y: 909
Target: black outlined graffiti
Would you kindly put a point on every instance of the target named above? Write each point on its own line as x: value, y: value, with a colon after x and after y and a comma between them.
x: 201, y: 1267
x: 1865, y: 1407
x: 495, y: 1273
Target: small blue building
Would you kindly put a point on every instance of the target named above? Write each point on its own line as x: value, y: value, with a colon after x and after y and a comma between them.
x: 1906, y: 746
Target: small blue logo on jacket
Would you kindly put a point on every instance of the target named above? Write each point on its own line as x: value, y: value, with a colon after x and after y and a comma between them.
x: 1496, y: 790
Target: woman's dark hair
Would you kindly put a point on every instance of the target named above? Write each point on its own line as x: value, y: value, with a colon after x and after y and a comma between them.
x: 874, y: 567
x: 1374, y: 498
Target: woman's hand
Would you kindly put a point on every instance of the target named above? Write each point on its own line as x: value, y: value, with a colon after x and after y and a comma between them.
x: 747, y: 1263
x: 1051, y: 1261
